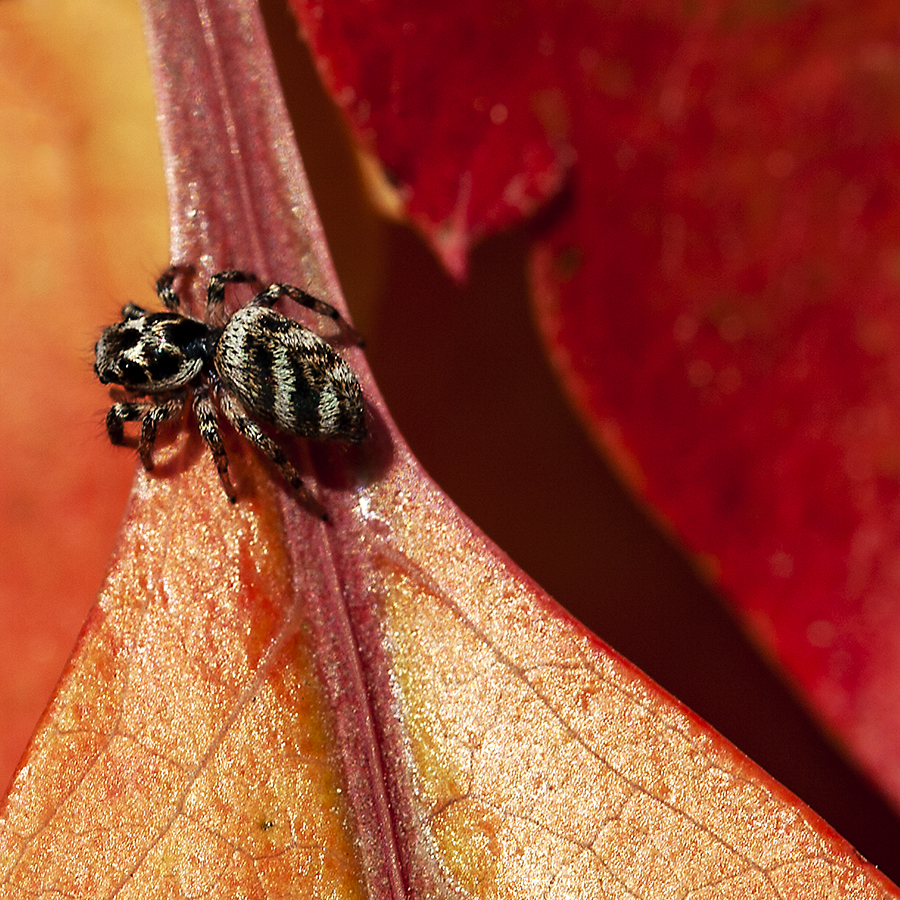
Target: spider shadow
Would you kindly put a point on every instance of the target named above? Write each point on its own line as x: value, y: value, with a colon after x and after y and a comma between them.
x: 341, y: 466
x: 338, y: 466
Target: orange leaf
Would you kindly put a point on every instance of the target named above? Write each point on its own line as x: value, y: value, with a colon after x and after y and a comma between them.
x: 265, y: 705
x: 83, y: 225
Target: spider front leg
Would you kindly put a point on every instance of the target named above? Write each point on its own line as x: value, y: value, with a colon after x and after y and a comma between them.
x: 247, y: 428
x: 133, y: 311
x: 208, y: 425
x: 165, y: 288
x: 153, y: 418
x: 120, y: 413
x: 270, y: 295
x: 215, y: 289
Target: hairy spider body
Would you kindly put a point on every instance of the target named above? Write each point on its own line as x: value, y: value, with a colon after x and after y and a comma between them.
x: 256, y: 365
x: 288, y: 376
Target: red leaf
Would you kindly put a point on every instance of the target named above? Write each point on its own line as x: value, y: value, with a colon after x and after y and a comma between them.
x: 263, y: 704
x: 716, y: 284
x: 755, y: 323
x: 494, y: 147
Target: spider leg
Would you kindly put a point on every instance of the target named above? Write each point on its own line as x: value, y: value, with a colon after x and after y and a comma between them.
x: 271, y: 294
x: 119, y: 414
x: 153, y: 418
x: 208, y: 425
x: 215, y: 290
x: 247, y: 428
x: 165, y: 286
x: 133, y: 311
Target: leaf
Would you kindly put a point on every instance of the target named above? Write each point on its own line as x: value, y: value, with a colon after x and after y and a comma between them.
x: 491, y: 151
x: 715, y: 284
x: 83, y: 226
x: 262, y: 704
x: 760, y: 344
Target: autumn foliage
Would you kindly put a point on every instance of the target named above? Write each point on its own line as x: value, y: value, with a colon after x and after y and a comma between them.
x: 262, y: 704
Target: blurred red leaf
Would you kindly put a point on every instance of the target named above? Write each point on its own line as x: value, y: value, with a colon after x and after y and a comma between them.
x: 760, y: 416
x: 261, y: 704
x: 717, y: 284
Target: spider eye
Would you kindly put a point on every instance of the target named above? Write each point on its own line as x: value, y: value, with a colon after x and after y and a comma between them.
x: 132, y: 372
x: 128, y: 337
x: 163, y: 364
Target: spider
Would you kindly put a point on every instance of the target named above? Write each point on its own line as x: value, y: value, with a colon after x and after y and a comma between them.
x: 254, y: 366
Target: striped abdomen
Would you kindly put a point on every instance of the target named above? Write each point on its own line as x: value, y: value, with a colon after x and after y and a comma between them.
x: 288, y: 376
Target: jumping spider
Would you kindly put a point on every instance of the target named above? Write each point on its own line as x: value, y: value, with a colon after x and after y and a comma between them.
x: 255, y: 366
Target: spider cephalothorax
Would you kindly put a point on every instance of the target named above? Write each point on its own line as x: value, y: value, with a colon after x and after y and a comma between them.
x: 256, y: 365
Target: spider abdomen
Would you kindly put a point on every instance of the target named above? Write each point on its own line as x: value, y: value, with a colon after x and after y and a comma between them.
x: 289, y: 377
